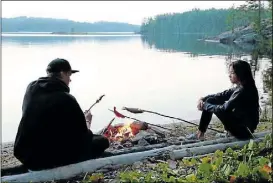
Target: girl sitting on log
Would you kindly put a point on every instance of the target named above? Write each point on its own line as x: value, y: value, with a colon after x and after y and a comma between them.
x: 237, y: 108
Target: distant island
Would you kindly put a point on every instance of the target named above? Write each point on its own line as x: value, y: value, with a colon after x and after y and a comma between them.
x: 95, y: 33
x: 64, y: 26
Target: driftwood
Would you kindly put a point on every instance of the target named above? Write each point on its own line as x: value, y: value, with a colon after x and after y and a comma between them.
x: 217, y: 141
x: 178, y: 154
x: 147, y: 148
x: 72, y: 170
x: 139, y: 149
x: 21, y: 169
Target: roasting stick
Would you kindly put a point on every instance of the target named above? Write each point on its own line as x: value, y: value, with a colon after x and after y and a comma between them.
x: 123, y: 116
x: 137, y: 111
x: 97, y: 101
x: 106, y: 128
x: 85, y: 112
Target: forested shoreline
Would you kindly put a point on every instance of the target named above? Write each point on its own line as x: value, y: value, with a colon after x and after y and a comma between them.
x: 211, y: 21
x: 36, y: 24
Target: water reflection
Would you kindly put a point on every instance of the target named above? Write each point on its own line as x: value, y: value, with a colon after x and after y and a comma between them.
x: 194, y: 47
x: 47, y: 39
x: 191, y: 44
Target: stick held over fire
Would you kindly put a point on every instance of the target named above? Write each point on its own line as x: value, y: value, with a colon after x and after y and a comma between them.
x: 137, y: 111
x: 105, y: 129
x: 97, y: 101
x: 118, y: 114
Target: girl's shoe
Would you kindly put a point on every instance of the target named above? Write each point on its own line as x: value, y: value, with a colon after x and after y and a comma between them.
x: 196, y: 136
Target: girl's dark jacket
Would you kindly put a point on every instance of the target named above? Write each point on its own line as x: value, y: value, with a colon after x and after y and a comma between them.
x: 242, y: 102
x: 53, y: 126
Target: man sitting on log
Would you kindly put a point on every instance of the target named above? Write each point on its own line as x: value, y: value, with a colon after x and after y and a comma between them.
x: 53, y: 129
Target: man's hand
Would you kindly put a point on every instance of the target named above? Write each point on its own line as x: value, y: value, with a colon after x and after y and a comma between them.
x: 88, y: 118
x: 200, y: 105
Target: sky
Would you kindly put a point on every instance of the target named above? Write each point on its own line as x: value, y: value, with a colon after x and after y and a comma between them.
x: 132, y: 12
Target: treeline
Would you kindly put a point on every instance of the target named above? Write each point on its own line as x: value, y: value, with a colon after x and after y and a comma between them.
x: 211, y: 21
x: 32, y: 24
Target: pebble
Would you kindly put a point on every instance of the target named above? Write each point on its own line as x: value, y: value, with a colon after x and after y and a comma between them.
x: 172, y: 164
x: 137, y: 165
x: 143, y: 142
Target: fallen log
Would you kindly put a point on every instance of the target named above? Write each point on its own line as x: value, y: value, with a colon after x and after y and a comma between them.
x: 18, y: 169
x: 139, y: 149
x: 21, y: 169
x: 145, y: 148
x: 178, y: 154
x: 217, y: 141
x: 72, y: 170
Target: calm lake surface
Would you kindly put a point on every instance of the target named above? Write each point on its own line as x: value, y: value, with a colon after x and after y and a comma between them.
x: 167, y: 76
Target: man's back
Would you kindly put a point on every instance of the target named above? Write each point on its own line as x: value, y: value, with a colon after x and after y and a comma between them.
x: 52, y: 126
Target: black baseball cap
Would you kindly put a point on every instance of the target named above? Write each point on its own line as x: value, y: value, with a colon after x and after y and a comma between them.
x: 58, y: 65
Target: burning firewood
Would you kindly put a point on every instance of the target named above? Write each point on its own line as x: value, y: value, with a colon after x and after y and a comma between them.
x: 119, y: 132
x: 136, y: 126
x: 123, y: 133
x: 119, y: 115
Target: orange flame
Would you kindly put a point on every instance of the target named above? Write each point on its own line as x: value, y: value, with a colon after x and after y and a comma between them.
x: 120, y: 132
x: 124, y: 132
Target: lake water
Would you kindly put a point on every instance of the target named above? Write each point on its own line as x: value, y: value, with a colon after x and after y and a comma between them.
x: 167, y: 76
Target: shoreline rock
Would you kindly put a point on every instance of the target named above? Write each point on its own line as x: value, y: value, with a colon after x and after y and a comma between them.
x: 244, y: 35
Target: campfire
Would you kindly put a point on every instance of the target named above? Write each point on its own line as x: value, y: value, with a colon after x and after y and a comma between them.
x: 124, y: 131
x: 141, y: 133
x: 134, y: 133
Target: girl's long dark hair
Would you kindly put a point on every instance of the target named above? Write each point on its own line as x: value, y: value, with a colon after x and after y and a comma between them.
x: 243, y: 71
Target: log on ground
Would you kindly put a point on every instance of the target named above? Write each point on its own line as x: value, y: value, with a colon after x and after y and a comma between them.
x: 178, y: 154
x: 72, y: 170
x: 221, y: 140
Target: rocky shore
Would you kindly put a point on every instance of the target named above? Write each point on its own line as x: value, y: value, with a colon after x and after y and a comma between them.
x: 244, y: 35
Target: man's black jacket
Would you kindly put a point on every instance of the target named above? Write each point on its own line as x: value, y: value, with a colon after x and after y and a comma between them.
x: 53, y: 127
x: 241, y: 102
